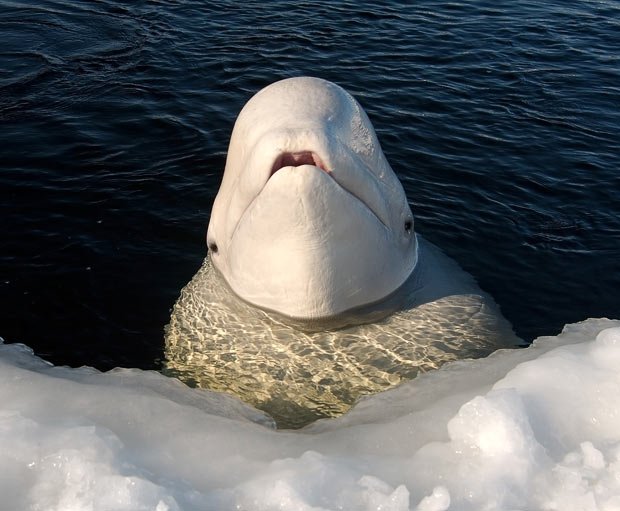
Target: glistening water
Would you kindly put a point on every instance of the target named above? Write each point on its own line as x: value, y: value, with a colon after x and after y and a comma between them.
x: 501, y: 119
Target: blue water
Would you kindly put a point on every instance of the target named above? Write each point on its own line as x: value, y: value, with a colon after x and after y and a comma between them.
x: 502, y: 119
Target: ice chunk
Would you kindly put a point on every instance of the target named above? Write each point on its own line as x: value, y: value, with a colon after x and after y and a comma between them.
x: 537, y: 428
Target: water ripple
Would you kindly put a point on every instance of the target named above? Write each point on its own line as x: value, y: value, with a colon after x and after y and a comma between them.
x: 500, y: 118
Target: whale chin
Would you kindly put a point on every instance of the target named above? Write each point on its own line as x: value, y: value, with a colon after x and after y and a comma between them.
x: 308, y: 249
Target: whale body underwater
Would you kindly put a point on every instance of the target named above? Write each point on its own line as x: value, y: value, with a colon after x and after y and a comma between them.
x: 316, y: 290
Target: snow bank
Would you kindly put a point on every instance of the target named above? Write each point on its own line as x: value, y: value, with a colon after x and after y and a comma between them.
x: 522, y: 429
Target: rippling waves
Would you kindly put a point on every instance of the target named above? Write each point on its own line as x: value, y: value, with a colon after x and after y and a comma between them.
x: 501, y: 119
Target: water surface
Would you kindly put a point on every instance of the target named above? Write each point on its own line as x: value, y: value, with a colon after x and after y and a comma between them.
x: 500, y: 118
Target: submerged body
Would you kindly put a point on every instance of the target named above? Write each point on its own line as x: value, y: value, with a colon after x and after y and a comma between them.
x: 300, y: 372
x: 316, y: 289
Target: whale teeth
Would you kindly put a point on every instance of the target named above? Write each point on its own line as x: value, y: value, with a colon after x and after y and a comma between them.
x: 296, y: 159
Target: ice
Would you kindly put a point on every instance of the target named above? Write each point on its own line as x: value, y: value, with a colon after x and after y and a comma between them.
x: 536, y: 428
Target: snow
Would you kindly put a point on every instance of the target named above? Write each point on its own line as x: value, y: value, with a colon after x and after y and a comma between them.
x: 536, y: 428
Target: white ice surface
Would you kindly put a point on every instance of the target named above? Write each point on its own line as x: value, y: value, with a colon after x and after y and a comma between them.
x: 532, y: 429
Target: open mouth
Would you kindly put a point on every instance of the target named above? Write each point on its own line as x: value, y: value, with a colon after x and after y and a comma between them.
x: 297, y: 159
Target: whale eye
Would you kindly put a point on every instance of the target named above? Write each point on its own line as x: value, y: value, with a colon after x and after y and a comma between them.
x: 212, y: 247
x: 408, y: 225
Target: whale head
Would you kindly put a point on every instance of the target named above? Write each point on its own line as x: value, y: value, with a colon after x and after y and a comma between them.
x: 310, y: 220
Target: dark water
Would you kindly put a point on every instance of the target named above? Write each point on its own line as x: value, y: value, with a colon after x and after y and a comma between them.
x: 501, y: 118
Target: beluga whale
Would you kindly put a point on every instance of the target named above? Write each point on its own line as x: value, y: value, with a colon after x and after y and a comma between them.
x: 310, y: 220
x: 316, y: 289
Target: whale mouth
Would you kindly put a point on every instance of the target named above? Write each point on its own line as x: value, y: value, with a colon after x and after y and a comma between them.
x: 297, y: 159
x: 290, y: 159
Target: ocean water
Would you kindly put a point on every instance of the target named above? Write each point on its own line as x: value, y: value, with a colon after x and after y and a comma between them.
x: 502, y: 119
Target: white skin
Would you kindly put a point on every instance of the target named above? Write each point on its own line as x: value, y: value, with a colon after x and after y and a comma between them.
x: 310, y: 220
